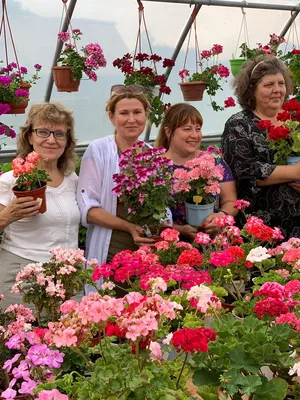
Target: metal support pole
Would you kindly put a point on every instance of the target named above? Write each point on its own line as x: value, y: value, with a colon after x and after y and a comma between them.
x: 289, y: 23
x: 239, y: 4
x: 175, y: 54
x: 59, y: 46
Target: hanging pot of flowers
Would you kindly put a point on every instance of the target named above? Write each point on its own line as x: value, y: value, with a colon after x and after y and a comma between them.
x: 63, y: 79
x: 31, y: 181
x: 15, y: 87
x: 67, y: 76
x: 192, y: 91
x: 209, y: 78
x: 19, y: 106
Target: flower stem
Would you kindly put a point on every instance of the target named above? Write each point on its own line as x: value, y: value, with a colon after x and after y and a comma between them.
x: 181, y: 371
x: 78, y: 351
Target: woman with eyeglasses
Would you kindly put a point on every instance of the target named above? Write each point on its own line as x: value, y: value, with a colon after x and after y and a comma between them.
x: 28, y: 235
x: 109, y: 231
x: 180, y: 134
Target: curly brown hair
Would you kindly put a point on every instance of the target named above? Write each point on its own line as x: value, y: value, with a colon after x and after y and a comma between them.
x: 176, y: 116
x: 251, y: 75
x: 54, y: 114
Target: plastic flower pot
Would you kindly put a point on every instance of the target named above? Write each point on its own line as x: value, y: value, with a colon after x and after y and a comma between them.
x: 192, y: 91
x: 292, y: 161
x: 236, y: 65
x: 39, y: 193
x: 195, y: 215
x: 20, y: 107
x: 64, y: 80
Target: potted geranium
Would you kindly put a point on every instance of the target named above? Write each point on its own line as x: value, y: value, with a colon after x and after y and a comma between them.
x: 209, y: 78
x: 47, y: 285
x: 285, y: 139
x: 144, y: 185
x: 14, y: 87
x: 31, y: 181
x: 67, y: 76
x: 247, y: 54
x: 292, y: 60
x: 141, y: 69
x: 197, y: 184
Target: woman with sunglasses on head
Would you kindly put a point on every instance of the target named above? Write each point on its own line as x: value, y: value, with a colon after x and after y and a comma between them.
x: 28, y: 235
x: 109, y: 231
x: 180, y: 134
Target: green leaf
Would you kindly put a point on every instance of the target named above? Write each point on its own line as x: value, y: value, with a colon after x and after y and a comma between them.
x: 202, y: 377
x: 242, y: 360
x: 208, y: 392
x: 249, y: 383
x: 276, y: 389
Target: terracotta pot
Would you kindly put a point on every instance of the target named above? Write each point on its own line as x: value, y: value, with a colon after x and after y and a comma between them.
x: 39, y: 193
x: 192, y: 91
x: 19, y: 108
x: 64, y: 80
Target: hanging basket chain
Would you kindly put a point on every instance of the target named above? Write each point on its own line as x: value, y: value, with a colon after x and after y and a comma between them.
x: 294, y: 32
x: 69, y: 29
x: 244, y: 29
x: 138, y: 44
x: 197, y: 48
x: 3, y: 25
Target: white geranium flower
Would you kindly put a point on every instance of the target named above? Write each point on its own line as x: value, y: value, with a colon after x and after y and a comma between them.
x: 295, y: 369
x: 258, y: 254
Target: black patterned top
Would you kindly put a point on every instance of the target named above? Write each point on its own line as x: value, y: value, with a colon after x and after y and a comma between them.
x: 246, y: 151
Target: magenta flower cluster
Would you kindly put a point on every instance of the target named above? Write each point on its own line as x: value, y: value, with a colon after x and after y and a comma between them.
x: 91, y: 60
x: 144, y: 183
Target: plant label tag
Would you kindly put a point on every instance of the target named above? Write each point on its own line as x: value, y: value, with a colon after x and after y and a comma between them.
x: 197, y: 200
x: 147, y: 230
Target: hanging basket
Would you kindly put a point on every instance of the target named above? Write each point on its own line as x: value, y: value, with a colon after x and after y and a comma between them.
x: 19, y: 108
x: 192, y: 91
x: 39, y: 193
x: 64, y: 80
x: 236, y: 65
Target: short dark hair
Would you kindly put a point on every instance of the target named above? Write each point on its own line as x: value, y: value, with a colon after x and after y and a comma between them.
x: 251, y: 75
x: 176, y: 116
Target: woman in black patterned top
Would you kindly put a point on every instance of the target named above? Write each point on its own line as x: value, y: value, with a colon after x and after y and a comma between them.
x: 261, y: 88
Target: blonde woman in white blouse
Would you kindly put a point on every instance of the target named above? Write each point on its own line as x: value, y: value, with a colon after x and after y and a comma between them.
x: 28, y: 235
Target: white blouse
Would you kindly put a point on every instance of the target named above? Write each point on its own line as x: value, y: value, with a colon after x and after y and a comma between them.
x: 31, y: 238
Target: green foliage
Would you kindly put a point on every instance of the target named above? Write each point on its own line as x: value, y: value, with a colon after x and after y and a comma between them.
x: 118, y: 375
x: 233, y: 365
x: 71, y: 58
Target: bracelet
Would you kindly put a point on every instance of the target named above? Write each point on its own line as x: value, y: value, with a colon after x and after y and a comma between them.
x: 224, y: 212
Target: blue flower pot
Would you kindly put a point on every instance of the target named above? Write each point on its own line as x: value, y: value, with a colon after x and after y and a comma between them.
x: 195, y: 215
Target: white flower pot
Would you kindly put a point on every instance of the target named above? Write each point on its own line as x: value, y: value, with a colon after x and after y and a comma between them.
x: 195, y: 215
x: 155, y: 91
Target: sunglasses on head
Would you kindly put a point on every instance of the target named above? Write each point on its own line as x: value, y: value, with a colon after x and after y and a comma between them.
x: 121, y: 89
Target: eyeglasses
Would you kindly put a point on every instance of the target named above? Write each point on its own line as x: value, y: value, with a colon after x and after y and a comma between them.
x: 122, y: 89
x: 45, y: 133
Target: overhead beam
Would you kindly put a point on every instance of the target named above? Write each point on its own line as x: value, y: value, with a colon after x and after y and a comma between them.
x: 59, y: 46
x: 289, y: 23
x: 239, y: 4
x: 176, y: 51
